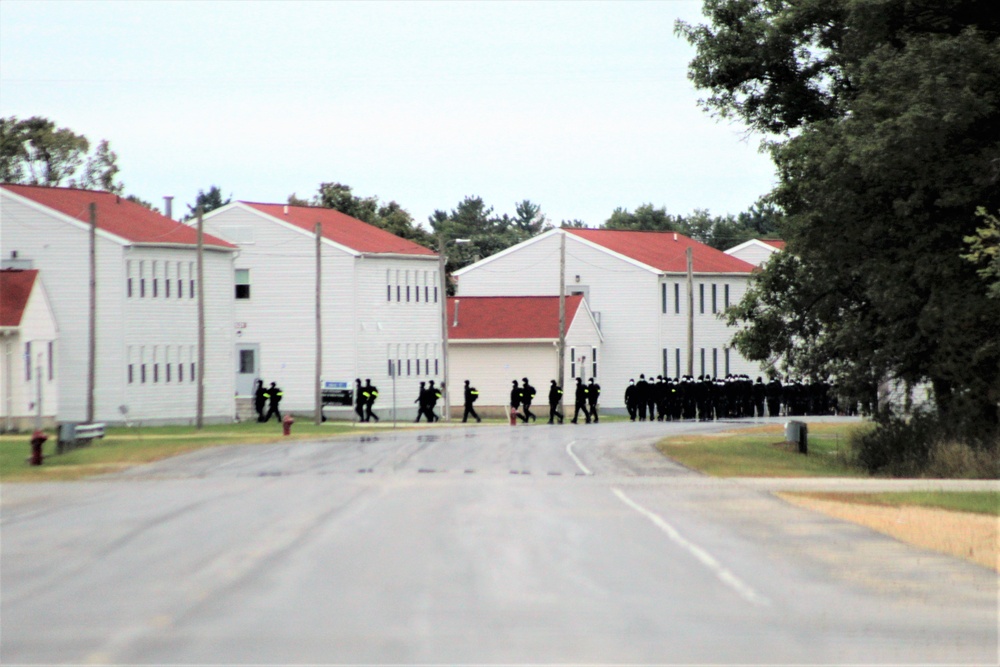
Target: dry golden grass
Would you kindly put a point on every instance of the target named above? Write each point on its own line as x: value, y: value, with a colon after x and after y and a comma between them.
x: 974, y: 537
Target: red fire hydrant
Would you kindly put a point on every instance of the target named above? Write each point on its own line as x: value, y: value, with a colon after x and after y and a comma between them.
x: 286, y: 424
x: 37, y: 440
x: 513, y: 416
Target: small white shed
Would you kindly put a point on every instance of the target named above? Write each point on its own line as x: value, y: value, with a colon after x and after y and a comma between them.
x: 494, y: 340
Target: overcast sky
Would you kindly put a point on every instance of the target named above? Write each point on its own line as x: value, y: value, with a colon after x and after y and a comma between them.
x: 579, y: 107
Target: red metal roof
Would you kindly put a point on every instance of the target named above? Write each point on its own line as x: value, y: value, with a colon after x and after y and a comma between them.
x: 116, y: 215
x: 343, y: 229
x: 15, y: 288
x: 775, y: 243
x: 487, y: 317
x: 664, y: 250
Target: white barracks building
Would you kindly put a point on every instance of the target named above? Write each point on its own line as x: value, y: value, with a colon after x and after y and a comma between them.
x: 635, y: 283
x: 146, y: 308
x: 380, y: 294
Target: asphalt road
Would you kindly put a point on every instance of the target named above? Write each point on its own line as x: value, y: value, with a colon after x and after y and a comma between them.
x: 539, y: 544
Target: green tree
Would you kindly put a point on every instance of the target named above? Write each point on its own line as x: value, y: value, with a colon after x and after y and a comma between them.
x: 887, y: 116
x: 645, y: 218
x: 984, y: 251
x: 389, y: 216
x: 36, y: 152
x: 208, y: 201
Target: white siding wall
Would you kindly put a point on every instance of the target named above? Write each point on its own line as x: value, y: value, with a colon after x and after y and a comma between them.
x: 491, y: 368
x: 361, y: 327
x: 755, y: 254
x: 710, y: 330
x: 60, y: 251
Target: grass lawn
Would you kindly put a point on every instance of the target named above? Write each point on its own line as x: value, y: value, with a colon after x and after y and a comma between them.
x: 976, y: 502
x: 124, y: 447
x: 761, y: 452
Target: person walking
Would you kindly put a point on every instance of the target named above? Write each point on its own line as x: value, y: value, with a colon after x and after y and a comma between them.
x: 593, y: 393
x: 359, y: 399
x: 527, y: 396
x: 555, y: 395
x: 274, y: 396
x: 433, y: 396
x: 422, y: 404
x: 630, y: 399
x: 471, y: 395
x: 371, y: 395
x: 581, y: 401
x: 515, y: 399
x: 259, y: 399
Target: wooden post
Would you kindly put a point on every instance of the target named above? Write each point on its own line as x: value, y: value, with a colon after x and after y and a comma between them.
x: 200, y: 416
x: 690, y: 327
x: 319, y: 325
x: 446, y: 407
x: 92, y: 333
x: 562, y: 319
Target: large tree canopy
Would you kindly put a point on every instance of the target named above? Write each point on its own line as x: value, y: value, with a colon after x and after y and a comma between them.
x: 36, y: 152
x: 884, y: 119
x: 389, y: 216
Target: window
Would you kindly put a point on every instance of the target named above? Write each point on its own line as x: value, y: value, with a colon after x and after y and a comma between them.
x: 677, y: 364
x: 408, y: 368
x: 388, y: 284
x: 702, y: 361
x: 701, y: 300
x: 725, y: 297
x: 593, y: 362
x: 191, y: 278
x: 166, y: 280
x: 246, y: 361
x: 666, y: 355
x: 131, y: 373
x: 677, y: 298
x: 725, y: 354
x: 128, y: 281
x: 142, y: 280
x: 142, y: 373
x: 180, y: 282
x: 715, y: 307
x: 156, y: 279
x: 242, y: 279
x: 715, y: 362
x: 193, y: 369
x: 52, y: 366
x: 27, y: 361
x: 572, y: 362
x: 663, y: 305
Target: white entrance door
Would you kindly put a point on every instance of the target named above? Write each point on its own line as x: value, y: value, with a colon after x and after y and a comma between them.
x: 247, y: 368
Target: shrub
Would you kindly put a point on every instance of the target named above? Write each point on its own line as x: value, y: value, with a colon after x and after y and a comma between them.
x: 923, y: 446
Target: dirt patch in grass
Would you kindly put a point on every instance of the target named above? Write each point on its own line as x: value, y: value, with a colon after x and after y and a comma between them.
x: 970, y: 536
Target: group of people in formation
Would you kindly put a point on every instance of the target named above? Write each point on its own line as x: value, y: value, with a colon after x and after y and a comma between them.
x: 364, y: 400
x: 733, y: 397
x: 269, y: 398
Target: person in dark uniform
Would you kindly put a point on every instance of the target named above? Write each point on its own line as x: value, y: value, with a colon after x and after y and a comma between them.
x: 422, y: 404
x: 759, y: 396
x: 274, y: 398
x: 515, y: 399
x: 772, y: 394
x: 527, y: 396
x: 471, y: 394
x: 641, y: 391
x: 581, y: 401
x: 259, y: 400
x: 359, y: 399
x: 593, y: 393
x: 433, y: 396
x: 371, y: 394
x: 555, y: 395
x: 630, y: 399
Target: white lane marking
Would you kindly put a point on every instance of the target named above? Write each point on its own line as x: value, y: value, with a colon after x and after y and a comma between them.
x: 705, y: 558
x: 569, y: 450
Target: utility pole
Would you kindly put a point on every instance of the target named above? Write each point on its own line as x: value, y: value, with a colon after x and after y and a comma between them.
x: 200, y: 417
x: 92, y: 334
x: 446, y: 407
x: 319, y: 324
x: 562, y: 318
x: 690, y: 286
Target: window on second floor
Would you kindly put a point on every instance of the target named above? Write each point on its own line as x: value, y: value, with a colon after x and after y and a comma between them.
x: 242, y: 281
